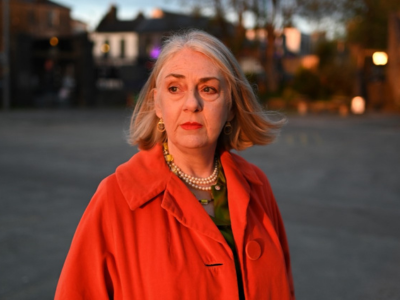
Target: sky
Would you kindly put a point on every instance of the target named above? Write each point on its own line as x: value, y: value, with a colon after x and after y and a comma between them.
x: 91, y: 11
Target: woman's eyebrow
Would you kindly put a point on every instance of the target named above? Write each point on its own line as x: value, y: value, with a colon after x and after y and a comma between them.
x: 175, y: 75
x: 205, y: 79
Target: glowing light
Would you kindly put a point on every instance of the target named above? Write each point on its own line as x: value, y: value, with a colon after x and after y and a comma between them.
x: 293, y: 39
x: 358, y: 105
x: 251, y: 34
x: 155, y: 52
x: 105, y: 48
x: 380, y: 58
x: 54, y: 41
x: 310, y: 61
x: 302, y: 108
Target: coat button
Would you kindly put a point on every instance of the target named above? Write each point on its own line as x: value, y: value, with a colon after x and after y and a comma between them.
x: 253, y: 250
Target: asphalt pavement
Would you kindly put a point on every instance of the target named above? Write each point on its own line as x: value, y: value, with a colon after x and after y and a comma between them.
x: 336, y: 180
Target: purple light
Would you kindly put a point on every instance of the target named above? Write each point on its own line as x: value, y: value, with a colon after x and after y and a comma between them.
x: 155, y: 52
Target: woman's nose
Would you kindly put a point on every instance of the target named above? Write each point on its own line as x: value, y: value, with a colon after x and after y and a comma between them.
x: 193, y: 102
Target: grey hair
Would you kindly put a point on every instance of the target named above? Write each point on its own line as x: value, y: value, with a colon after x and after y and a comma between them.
x: 250, y: 125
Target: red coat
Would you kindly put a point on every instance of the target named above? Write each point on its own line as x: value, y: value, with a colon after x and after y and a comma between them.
x: 145, y: 236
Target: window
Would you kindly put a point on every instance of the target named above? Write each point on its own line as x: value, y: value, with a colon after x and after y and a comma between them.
x: 53, y: 18
x: 32, y: 17
x: 105, y: 48
x: 122, y: 45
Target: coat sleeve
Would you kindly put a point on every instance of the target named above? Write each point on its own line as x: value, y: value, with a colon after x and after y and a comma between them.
x: 89, y: 269
x: 277, y: 221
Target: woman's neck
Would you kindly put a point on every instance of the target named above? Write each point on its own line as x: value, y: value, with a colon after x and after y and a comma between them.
x: 197, y: 162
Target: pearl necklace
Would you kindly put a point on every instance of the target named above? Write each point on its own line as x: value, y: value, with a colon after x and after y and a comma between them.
x: 195, y: 182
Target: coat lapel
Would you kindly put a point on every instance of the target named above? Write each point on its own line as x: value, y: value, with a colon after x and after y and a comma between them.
x: 238, y: 198
x: 182, y: 204
x: 146, y: 176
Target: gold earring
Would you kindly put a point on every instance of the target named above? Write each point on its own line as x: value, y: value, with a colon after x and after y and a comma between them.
x: 228, y: 128
x: 161, y: 125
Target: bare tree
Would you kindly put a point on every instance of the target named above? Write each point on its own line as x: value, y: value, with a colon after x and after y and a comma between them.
x: 267, y: 14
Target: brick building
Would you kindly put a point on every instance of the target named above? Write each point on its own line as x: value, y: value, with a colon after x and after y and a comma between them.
x: 50, y: 64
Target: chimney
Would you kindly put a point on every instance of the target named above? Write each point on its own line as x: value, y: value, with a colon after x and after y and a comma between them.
x: 112, y: 14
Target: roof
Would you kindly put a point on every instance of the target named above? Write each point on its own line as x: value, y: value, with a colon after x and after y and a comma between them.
x: 46, y: 2
x: 111, y: 23
x: 118, y: 26
x: 172, y: 21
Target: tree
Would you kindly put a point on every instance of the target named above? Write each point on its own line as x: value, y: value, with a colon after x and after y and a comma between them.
x: 270, y: 15
x: 366, y: 20
x: 267, y: 14
x: 369, y: 22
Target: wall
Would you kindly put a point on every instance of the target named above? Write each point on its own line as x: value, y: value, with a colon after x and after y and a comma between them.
x: 114, y: 39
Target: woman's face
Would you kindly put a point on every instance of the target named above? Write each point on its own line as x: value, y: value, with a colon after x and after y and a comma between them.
x: 191, y: 96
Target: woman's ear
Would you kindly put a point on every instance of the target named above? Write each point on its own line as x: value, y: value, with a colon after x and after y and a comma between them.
x: 157, y: 106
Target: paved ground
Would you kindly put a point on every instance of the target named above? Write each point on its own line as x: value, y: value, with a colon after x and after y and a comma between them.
x: 337, y: 182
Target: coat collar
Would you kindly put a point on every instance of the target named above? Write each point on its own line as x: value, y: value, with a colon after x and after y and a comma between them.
x: 146, y: 175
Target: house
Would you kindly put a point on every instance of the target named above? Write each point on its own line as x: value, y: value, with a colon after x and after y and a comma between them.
x: 124, y: 50
x: 38, y: 18
x: 292, y: 50
x: 116, y: 41
x: 161, y: 24
x: 50, y: 64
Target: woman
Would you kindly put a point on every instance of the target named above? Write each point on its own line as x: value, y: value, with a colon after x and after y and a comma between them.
x: 185, y: 218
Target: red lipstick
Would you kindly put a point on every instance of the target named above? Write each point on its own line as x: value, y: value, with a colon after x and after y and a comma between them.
x: 191, y: 125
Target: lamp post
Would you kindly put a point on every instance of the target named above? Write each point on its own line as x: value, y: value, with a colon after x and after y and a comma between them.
x: 379, y: 58
x: 6, y: 62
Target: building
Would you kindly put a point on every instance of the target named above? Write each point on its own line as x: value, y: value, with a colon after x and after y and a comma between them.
x: 161, y: 24
x: 38, y: 18
x: 124, y: 50
x: 50, y: 57
x: 292, y: 50
x: 116, y: 41
x: 393, y: 68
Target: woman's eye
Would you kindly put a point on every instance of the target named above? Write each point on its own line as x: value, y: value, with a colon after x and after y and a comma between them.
x: 209, y: 90
x: 173, y: 89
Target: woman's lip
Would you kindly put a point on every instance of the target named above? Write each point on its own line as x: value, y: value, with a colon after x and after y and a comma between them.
x: 191, y: 125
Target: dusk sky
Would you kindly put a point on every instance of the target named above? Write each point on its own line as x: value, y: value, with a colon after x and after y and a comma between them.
x: 91, y: 11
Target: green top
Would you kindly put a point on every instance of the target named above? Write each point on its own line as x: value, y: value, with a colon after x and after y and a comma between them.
x: 223, y: 221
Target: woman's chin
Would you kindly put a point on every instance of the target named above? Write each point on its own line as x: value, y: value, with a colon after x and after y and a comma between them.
x: 193, y: 143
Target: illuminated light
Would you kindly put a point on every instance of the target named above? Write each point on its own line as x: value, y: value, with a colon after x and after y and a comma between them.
x: 155, y: 52
x: 157, y: 13
x: 358, y: 105
x: 105, y: 48
x: 380, y: 58
x: 302, y: 108
x: 310, y: 62
x: 293, y: 39
x: 250, y: 34
x: 54, y: 41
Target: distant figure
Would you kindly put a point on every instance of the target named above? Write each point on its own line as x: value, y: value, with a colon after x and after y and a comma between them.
x: 185, y: 218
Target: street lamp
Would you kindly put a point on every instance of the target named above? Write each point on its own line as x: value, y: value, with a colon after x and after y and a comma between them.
x: 379, y: 58
x: 358, y: 105
x: 105, y: 48
x: 53, y: 41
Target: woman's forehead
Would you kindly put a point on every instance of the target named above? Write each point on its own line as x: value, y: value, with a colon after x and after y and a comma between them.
x: 188, y: 61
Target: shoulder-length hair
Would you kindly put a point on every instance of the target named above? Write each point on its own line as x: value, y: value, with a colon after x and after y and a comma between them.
x: 250, y: 125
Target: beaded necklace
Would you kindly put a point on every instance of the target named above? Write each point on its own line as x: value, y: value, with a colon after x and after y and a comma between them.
x: 195, y: 182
